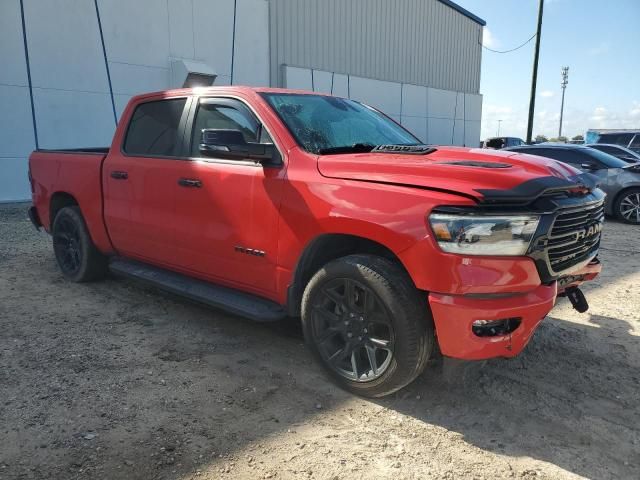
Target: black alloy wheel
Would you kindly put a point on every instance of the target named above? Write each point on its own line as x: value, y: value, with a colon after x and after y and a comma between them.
x: 367, y: 324
x: 67, y: 246
x: 353, y: 330
x: 77, y: 256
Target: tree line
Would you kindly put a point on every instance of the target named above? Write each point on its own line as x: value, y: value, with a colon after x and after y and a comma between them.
x: 561, y: 139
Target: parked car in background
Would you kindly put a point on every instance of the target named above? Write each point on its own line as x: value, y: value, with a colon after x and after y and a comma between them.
x: 622, y: 153
x: 498, y: 143
x: 619, y: 179
x: 624, y: 138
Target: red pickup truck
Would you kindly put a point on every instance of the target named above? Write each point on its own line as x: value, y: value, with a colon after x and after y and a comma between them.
x: 271, y: 203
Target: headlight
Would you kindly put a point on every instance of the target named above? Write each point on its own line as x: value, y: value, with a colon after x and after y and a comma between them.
x: 483, y: 235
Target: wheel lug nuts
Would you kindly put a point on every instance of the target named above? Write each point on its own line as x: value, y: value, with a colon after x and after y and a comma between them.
x: 362, y: 319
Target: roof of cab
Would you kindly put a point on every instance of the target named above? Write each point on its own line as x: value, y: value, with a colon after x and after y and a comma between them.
x: 221, y: 89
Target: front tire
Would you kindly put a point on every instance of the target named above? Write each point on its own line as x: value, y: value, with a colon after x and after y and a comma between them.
x: 77, y: 256
x: 367, y: 324
x: 627, y: 206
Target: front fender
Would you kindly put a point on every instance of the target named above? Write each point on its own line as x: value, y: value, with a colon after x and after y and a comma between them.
x: 392, y: 216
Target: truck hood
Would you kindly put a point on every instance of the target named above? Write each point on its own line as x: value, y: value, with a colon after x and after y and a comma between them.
x: 487, y: 176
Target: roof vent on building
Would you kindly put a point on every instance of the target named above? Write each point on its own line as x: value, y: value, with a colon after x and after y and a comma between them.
x: 191, y: 73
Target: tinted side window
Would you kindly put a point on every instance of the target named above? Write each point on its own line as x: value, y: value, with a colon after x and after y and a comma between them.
x: 227, y: 114
x: 565, y: 156
x: 496, y: 143
x: 528, y: 151
x: 616, y: 138
x: 153, y: 129
x: 608, y: 149
x: 541, y: 152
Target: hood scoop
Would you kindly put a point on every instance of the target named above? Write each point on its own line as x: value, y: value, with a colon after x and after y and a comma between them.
x: 487, y: 176
x: 476, y: 163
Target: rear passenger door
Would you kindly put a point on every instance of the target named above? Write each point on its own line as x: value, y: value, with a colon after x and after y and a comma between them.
x: 140, y: 181
x: 227, y: 214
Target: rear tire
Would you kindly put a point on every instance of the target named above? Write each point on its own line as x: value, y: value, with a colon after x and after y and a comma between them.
x: 77, y: 256
x: 367, y: 324
x: 627, y: 206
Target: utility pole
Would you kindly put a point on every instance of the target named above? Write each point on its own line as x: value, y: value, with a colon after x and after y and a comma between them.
x: 563, y: 84
x: 534, y: 77
x: 499, y: 122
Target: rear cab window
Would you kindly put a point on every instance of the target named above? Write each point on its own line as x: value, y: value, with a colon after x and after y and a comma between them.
x: 154, y: 128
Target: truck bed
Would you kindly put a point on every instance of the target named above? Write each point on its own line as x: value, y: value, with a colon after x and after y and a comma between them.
x: 72, y: 175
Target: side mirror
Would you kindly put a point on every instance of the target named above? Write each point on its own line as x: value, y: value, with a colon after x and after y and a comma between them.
x: 589, y: 166
x: 230, y: 144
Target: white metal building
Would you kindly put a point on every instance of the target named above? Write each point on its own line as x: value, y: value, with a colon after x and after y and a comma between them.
x: 68, y: 67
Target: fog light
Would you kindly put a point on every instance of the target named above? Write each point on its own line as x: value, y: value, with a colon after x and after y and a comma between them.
x: 495, y: 328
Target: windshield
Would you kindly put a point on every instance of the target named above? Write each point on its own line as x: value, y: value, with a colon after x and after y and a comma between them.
x: 608, y: 160
x: 322, y: 124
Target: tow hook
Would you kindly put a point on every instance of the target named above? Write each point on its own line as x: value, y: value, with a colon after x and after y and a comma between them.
x: 577, y: 299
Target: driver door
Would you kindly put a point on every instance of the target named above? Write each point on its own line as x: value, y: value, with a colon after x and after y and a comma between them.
x: 227, y: 210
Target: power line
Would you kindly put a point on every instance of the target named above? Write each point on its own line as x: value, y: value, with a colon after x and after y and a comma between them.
x: 510, y: 50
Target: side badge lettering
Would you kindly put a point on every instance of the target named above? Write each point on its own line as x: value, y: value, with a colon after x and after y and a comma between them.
x: 249, y: 251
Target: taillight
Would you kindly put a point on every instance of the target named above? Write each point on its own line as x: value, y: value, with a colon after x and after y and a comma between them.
x: 31, y: 180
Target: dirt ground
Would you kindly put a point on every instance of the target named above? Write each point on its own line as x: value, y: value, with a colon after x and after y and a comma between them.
x: 114, y: 380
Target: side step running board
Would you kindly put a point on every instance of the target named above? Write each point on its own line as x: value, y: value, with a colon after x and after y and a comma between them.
x: 232, y: 301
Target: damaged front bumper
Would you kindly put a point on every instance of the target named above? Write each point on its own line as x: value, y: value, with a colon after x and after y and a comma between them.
x: 476, y: 327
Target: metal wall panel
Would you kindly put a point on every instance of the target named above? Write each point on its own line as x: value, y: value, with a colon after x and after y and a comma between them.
x: 420, y: 42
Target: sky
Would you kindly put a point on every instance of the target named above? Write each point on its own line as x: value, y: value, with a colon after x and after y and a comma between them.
x: 598, y: 40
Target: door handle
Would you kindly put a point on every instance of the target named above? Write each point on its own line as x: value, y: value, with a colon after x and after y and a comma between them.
x: 190, y: 182
x: 118, y: 175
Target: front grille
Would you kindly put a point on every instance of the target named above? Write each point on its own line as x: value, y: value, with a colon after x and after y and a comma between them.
x: 575, y: 236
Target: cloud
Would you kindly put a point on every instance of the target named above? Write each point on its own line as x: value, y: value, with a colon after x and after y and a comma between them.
x: 491, y: 109
x: 547, y: 94
x: 600, y: 49
x: 602, y: 117
x: 488, y: 40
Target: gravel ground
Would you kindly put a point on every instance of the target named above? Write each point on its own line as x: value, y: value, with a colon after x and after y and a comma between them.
x: 116, y: 380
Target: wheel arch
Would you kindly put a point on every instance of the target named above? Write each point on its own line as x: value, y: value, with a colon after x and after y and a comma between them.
x: 58, y: 201
x: 325, y: 248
